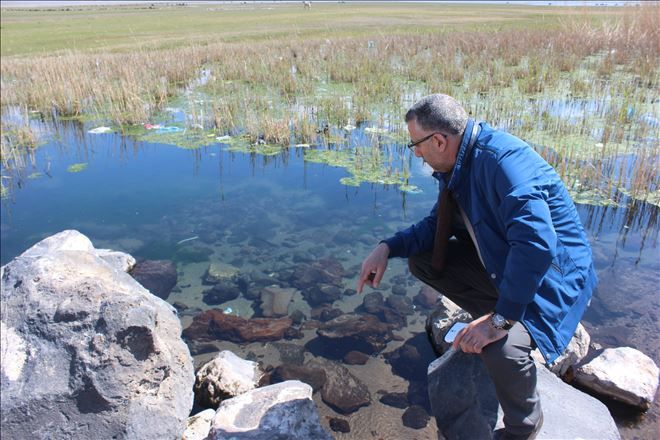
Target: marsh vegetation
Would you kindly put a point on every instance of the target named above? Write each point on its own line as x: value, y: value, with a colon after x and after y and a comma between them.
x: 581, y: 87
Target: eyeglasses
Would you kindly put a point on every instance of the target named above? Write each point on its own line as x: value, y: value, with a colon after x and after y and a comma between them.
x: 412, y: 145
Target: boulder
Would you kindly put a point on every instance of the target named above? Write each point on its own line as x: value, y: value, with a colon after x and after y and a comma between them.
x: 282, y: 411
x: 199, y: 425
x: 218, y: 272
x: 224, y: 377
x: 624, y: 374
x: 464, y: 403
x: 275, y: 300
x: 87, y: 351
x: 342, y: 391
x: 157, y: 276
x: 214, y: 324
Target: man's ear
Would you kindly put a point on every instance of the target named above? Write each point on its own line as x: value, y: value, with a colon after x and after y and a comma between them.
x: 442, y: 142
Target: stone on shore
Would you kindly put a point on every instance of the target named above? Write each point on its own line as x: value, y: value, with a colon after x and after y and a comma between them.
x: 623, y: 374
x: 199, y: 425
x: 87, y: 351
x: 464, y: 403
x: 282, y: 411
x: 157, y: 276
x: 224, y: 377
x: 576, y: 350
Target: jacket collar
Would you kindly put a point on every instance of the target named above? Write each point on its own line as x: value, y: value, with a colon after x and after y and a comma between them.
x: 470, y: 135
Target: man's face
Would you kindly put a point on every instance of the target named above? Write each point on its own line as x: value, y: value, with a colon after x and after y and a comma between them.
x: 433, y: 150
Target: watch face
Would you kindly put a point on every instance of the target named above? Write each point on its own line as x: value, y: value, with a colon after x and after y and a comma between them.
x: 498, y: 321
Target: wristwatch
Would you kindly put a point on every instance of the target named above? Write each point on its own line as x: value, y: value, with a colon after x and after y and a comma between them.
x: 500, y: 322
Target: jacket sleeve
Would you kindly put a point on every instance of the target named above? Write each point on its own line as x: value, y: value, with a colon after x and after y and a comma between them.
x: 416, y: 239
x: 525, y: 216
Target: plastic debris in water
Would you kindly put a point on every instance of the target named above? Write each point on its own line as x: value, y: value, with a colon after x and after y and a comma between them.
x: 169, y: 129
x: 152, y: 126
x: 99, y: 130
x: 187, y: 239
x: 223, y: 138
x: 228, y: 311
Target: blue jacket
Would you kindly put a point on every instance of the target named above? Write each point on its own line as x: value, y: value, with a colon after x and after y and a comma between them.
x: 528, y: 231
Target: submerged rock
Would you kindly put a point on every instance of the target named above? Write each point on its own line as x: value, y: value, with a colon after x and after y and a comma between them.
x: 342, y: 391
x: 87, y: 351
x: 351, y: 331
x: 623, y: 374
x: 220, y: 293
x: 224, y: 377
x: 275, y: 300
x: 282, y: 411
x: 427, y: 298
x: 339, y: 425
x: 325, y: 271
x: 355, y: 357
x: 396, y: 400
x: 157, y: 276
x: 218, y: 272
x: 321, y: 294
x: 415, y: 417
x: 215, y: 324
x: 314, y: 377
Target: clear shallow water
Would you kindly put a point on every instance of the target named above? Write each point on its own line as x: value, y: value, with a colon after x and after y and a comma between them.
x: 258, y: 213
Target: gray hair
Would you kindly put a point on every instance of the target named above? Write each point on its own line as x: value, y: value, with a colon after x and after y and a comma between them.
x: 439, y: 112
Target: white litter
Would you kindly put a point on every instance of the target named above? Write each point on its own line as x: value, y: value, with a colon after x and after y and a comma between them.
x: 99, y: 130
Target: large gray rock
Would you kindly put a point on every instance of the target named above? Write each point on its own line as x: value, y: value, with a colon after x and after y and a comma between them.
x: 624, y: 374
x: 465, y: 406
x: 282, y: 411
x: 224, y: 377
x: 87, y: 352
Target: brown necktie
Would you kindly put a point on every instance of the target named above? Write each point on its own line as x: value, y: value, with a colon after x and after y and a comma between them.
x: 445, y: 213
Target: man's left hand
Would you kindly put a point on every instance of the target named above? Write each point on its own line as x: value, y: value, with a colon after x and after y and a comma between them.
x: 478, y: 334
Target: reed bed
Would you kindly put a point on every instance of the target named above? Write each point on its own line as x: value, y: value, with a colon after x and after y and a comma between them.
x: 585, y: 90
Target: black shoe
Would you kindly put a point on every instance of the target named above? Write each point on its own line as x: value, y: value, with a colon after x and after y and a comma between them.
x: 501, y: 433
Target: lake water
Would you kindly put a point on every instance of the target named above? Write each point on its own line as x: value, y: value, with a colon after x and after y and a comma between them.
x: 265, y: 214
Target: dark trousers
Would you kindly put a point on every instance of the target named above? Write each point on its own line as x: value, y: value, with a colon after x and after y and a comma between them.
x: 508, y: 361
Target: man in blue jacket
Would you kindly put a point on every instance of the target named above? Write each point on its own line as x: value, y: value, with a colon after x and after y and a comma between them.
x: 518, y: 259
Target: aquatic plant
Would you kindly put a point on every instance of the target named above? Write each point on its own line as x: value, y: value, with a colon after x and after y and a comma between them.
x: 77, y: 167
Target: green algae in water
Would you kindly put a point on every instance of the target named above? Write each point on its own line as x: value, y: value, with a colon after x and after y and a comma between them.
x: 76, y: 167
x: 187, y: 139
x: 4, y: 192
x: 35, y: 175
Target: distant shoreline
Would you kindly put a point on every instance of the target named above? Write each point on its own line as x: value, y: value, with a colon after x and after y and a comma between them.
x: 5, y: 4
